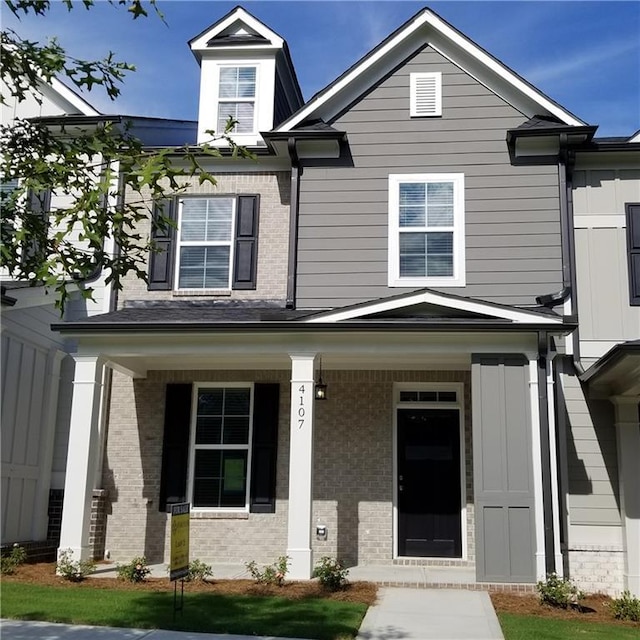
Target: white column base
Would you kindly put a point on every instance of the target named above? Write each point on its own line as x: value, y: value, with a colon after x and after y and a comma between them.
x: 300, y: 564
x: 76, y: 553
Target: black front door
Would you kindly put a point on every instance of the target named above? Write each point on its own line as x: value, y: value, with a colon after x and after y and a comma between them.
x: 429, y: 522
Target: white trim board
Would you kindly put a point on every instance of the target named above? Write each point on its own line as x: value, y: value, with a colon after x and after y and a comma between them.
x: 431, y: 297
x: 462, y: 51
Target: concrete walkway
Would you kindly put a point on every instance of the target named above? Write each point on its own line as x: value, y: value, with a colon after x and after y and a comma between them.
x: 400, y: 614
x: 431, y: 614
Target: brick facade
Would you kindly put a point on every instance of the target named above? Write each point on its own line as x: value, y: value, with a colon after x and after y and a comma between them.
x: 353, y: 471
x: 597, y: 569
x: 273, y: 238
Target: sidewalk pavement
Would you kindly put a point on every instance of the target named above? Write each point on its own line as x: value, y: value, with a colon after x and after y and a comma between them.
x: 400, y: 614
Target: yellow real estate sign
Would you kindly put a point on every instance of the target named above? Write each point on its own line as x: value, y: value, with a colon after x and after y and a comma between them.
x: 179, y: 566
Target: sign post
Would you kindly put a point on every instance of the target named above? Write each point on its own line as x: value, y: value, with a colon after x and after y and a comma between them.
x: 179, y: 564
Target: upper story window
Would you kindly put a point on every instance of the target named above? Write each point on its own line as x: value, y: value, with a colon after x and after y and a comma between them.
x: 426, y: 230
x: 214, y: 247
x: 205, y: 235
x: 237, y: 98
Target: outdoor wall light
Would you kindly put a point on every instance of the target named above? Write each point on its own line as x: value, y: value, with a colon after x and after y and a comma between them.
x: 320, y: 389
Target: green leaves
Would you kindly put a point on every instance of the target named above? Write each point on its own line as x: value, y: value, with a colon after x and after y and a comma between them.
x: 78, y: 196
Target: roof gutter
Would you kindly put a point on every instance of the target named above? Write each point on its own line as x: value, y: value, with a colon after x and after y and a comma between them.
x: 138, y: 328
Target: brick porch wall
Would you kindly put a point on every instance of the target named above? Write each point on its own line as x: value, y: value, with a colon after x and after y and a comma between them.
x: 353, y: 471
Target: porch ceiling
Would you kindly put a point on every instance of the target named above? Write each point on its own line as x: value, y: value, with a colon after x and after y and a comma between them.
x: 617, y: 373
x: 135, y: 354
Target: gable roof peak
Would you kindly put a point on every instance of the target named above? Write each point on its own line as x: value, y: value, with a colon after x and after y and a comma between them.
x: 236, y: 28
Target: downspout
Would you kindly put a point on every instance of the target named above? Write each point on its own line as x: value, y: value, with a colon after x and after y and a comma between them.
x: 566, y: 160
x: 294, y: 213
x: 545, y: 453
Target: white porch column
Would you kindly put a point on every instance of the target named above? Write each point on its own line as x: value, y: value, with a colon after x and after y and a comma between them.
x: 538, y: 497
x: 82, y: 455
x: 628, y: 439
x: 301, y: 465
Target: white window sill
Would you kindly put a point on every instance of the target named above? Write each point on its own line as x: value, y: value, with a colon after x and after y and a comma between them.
x: 181, y: 293
x: 427, y: 282
x: 219, y: 515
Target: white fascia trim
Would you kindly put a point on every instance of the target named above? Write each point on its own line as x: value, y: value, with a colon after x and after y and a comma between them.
x: 72, y: 97
x: 249, y: 20
x: 429, y: 297
x: 464, y: 43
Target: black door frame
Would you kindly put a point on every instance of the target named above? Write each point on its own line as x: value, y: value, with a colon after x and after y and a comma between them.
x: 459, y: 388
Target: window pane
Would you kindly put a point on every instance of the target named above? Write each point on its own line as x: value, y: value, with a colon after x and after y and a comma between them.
x: 236, y: 430
x: 412, y: 255
x: 204, y: 267
x: 440, y: 243
x: 439, y: 266
x: 220, y: 478
x: 412, y: 204
x: 237, y: 82
x: 206, y: 219
x: 210, y: 402
x: 209, y: 430
x: 408, y: 396
x: 440, y: 204
x: 236, y: 402
x: 447, y: 396
x: 240, y: 111
x: 428, y: 396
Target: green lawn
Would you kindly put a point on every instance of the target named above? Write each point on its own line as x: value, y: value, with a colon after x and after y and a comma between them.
x: 208, y: 613
x: 515, y: 627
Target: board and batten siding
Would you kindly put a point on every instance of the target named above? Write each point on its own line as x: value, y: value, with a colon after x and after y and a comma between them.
x: 602, y: 271
x: 512, y: 233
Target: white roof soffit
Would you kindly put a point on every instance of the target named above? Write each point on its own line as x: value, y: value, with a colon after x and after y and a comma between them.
x: 199, y: 43
x: 59, y: 91
x: 428, y: 28
x: 517, y: 316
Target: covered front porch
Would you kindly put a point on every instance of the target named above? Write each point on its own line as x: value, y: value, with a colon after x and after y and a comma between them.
x: 447, y: 411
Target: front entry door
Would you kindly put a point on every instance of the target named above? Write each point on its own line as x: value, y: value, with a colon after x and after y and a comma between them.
x: 429, y: 523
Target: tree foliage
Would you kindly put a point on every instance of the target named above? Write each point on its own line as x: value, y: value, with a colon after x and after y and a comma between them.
x: 88, y: 163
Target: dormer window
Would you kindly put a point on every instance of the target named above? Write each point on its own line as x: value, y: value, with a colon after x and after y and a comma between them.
x: 237, y: 98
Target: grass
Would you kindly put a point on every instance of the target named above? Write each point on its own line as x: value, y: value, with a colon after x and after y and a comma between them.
x: 518, y: 627
x: 206, y: 613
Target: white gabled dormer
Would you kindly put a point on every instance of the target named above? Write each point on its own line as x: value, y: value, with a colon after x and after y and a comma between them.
x: 245, y: 72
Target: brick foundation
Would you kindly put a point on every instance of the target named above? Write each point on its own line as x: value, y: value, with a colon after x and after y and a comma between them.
x: 597, y: 569
x: 98, y: 526
x: 56, y: 498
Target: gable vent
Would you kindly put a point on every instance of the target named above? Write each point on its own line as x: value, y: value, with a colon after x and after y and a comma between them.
x: 426, y: 94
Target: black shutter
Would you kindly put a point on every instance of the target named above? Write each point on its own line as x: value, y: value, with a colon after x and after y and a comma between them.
x: 633, y: 246
x: 266, y: 404
x: 161, y: 261
x: 175, y: 445
x: 39, y: 206
x: 246, y: 253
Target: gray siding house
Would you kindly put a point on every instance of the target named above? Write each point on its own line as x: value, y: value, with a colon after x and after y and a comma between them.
x: 351, y: 346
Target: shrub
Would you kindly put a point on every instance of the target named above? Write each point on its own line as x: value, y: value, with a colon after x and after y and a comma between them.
x: 559, y: 592
x: 134, y: 571
x: 626, y: 607
x: 331, y: 574
x: 199, y: 571
x: 16, y: 557
x: 74, y: 570
x: 272, y: 573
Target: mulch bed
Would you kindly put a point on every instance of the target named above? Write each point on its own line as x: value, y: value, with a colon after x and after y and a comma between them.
x: 593, y: 608
x: 45, y: 574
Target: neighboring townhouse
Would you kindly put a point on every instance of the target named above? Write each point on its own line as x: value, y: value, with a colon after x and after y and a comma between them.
x: 601, y: 387
x: 37, y: 373
x: 346, y: 347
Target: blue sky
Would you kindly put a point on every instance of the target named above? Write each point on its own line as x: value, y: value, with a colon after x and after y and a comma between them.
x: 584, y: 55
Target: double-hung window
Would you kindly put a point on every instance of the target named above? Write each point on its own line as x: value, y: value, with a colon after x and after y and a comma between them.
x: 426, y: 230
x: 221, y: 437
x: 205, y: 236
x: 237, y: 98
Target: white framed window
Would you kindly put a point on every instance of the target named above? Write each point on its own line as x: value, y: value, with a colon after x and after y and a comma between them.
x: 205, y: 243
x: 237, y: 98
x: 220, y: 455
x: 425, y: 94
x: 426, y: 230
